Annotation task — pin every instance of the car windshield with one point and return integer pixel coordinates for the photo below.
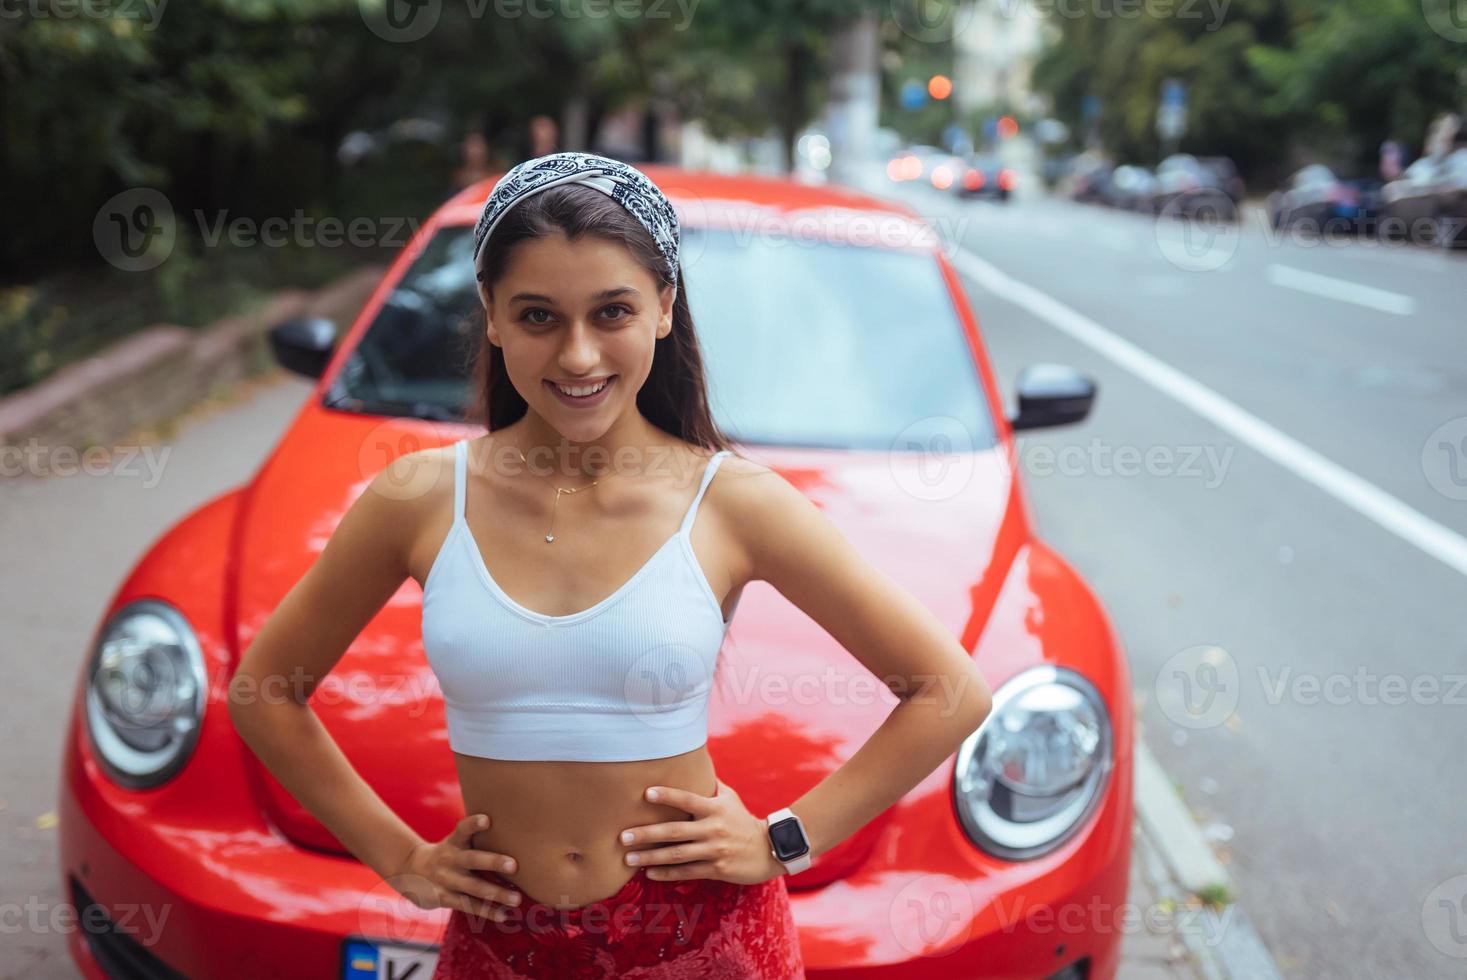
(804, 343)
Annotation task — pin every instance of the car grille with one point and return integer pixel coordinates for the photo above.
(117, 952)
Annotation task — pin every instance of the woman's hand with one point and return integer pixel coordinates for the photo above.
(441, 875)
(724, 841)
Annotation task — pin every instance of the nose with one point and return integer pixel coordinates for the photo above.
(581, 350)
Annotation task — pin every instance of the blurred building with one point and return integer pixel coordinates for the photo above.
(995, 46)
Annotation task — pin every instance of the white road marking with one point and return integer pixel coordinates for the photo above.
(1340, 289)
(1389, 512)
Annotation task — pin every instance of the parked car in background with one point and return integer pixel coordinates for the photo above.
(1225, 174)
(912, 162)
(1317, 197)
(945, 171)
(1054, 169)
(1130, 188)
(984, 175)
(1187, 186)
(1410, 203)
(926, 164)
(1452, 200)
(163, 808)
(1428, 203)
(1089, 174)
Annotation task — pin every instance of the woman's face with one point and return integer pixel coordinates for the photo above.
(577, 313)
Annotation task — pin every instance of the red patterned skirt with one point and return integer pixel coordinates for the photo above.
(697, 929)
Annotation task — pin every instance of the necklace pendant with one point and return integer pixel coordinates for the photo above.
(549, 537)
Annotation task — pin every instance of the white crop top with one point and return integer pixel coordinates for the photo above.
(627, 678)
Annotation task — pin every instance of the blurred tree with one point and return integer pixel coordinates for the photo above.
(1123, 60)
(752, 61)
(1359, 72)
(1270, 82)
(911, 57)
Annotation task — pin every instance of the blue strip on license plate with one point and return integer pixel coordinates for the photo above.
(363, 959)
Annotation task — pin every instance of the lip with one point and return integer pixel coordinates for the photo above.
(589, 402)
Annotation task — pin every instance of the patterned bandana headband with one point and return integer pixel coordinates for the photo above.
(627, 185)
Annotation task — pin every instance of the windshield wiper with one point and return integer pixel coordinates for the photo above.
(378, 406)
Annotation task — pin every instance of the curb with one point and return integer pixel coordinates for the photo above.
(1178, 863)
(1167, 820)
(154, 373)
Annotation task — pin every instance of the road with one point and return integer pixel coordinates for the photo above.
(1283, 550)
(71, 536)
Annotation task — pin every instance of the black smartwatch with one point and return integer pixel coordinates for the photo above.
(788, 841)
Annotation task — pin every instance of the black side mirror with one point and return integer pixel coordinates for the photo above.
(304, 345)
(1052, 394)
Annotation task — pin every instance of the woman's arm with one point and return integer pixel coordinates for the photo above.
(791, 544)
(361, 567)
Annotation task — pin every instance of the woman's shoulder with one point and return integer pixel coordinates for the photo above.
(415, 490)
(418, 480)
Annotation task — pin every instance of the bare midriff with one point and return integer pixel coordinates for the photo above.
(562, 821)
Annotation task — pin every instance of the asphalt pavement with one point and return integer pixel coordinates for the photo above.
(71, 535)
(1270, 497)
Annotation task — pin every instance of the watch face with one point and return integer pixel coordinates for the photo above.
(789, 842)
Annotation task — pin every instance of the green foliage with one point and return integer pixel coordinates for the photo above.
(1369, 71)
(1270, 83)
(235, 109)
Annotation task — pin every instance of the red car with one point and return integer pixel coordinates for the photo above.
(841, 351)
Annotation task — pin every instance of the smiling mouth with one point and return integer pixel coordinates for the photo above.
(581, 392)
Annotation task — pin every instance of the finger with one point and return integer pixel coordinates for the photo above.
(464, 832)
(678, 830)
(473, 906)
(682, 872)
(479, 888)
(677, 854)
(694, 803)
(471, 858)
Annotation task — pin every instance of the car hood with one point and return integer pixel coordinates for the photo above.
(787, 690)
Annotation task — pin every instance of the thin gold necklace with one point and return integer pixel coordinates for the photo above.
(549, 537)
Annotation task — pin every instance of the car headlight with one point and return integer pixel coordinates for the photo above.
(1036, 768)
(145, 693)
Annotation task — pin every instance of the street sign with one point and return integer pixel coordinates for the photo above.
(914, 94)
(1171, 113)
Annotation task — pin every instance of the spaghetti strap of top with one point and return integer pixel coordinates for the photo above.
(459, 478)
(626, 678)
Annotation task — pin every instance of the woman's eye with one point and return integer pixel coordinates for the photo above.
(618, 306)
(528, 316)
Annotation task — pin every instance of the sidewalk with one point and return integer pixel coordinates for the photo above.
(1154, 951)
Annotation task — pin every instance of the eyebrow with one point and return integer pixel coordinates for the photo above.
(604, 294)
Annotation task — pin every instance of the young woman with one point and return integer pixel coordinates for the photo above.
(580, 565)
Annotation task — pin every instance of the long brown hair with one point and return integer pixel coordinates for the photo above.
(675, 395)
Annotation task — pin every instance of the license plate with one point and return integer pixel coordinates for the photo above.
(369, 959)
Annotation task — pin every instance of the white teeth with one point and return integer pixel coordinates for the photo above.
(582, 392)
